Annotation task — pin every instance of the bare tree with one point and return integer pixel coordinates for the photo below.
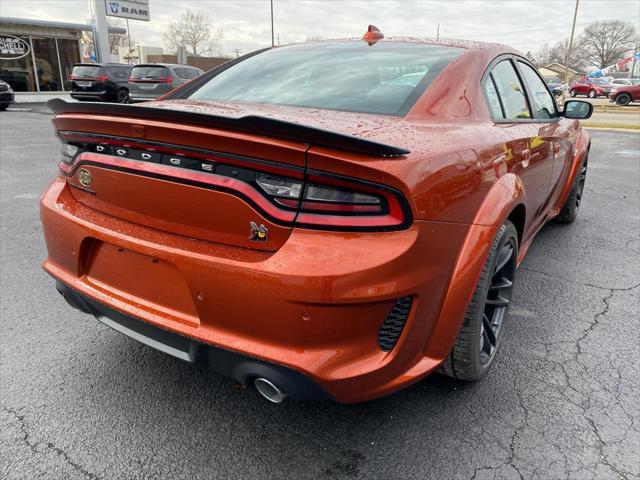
(118, 39)
(607, 41)
(556, 53)
(195, 31)
(115, 39)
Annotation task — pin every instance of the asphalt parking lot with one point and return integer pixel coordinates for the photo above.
(80, 401)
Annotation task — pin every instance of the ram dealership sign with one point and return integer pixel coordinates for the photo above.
(133, 9)
(12, 48)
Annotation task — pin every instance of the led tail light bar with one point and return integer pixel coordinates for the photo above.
(285, 194)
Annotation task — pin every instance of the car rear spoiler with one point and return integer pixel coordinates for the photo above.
(249, 124)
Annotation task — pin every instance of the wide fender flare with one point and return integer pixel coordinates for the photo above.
(580, 153)
(507, 193)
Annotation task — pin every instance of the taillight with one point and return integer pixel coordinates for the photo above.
(347, 205)
(102, 78)
(317, 200)
(168, 79)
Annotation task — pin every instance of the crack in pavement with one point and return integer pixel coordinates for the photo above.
(555, 277)
(34, 446)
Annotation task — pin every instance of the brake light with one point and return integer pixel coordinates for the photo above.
(102, 78)
(348, 204)
(168, 79)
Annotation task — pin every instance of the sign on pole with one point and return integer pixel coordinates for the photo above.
(133, 9)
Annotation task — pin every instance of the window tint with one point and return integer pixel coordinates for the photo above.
(510, 90)
(492, 97)
(543, 103)
(119, 72)
(186, 73)
(149, 72)
(349, 76)
(87, 71)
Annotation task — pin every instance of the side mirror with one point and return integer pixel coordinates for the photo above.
(577, 109)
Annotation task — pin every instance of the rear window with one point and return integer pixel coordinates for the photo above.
(149, 72)
(386, 78)
(186, 73)
(87, 71)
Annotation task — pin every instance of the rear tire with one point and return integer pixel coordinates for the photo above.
(572, 92)
(123, 96)
(592, 94)
(3, 107)
(479, 337)
(623, 99)
(569, 211)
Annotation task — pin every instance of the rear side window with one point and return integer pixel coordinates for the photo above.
(492, 97)
(543, 105)
(186, 73)
(149, 72)
(87, 71)
(385, 78)
(119, 72)
(511, 91)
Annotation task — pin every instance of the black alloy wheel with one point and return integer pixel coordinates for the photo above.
(123, 96)
(481, 331)
(497, 300)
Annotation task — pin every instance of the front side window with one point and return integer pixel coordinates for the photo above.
(543, 105)
(386, 78)
(511, 91)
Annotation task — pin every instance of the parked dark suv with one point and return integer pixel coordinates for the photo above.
(106, 82)
(150, 81)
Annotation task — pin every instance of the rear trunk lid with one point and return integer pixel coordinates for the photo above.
(88, 78)
(150, 80)
(166, 168)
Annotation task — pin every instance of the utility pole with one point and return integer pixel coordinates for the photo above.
(128, 35)
(237, 51)
(438, 33)
(633, 64)
(567, 54)
(100, 30)
(273, 44)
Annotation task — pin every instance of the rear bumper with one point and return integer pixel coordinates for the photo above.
(314, 307)
(136, 97)
(240, 367)
(94, 95)
(6, 97)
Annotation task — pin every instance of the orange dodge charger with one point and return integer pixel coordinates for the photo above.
(335, 219)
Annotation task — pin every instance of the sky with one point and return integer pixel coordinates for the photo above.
(523, 24)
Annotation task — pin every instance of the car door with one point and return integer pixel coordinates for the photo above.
(529, 154)
(554, 132)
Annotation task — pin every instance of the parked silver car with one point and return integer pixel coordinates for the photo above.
(152, 80)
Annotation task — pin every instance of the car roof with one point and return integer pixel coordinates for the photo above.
(102, 65)
(176, 65)
(447, 42)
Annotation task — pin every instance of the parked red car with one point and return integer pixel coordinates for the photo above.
(590, 87)
(308, 220)
(624, 95)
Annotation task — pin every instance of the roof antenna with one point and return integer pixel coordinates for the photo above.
(373, 35)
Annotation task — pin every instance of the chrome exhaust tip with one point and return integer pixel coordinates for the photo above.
(269, 391)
